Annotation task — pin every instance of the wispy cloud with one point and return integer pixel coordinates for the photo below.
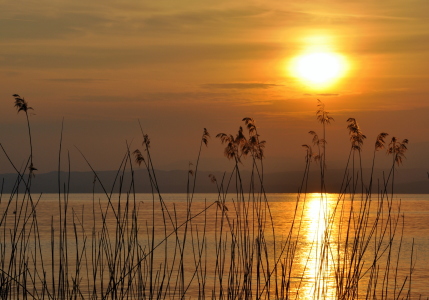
(109, 56)
(33, 26)
(239, 86)
(157, 98)
(359, 16)
(323, 94)
(73, 80)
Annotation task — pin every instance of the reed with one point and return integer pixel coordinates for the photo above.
(229, 248)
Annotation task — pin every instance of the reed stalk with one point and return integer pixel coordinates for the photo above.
(228, 248)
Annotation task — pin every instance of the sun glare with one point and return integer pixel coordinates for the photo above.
(319, 69)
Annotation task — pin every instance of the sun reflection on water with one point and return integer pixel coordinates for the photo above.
(315, 258)
(315, 212)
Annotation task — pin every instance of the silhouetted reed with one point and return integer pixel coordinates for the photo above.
(229, 248)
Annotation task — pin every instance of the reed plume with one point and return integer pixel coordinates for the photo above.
(379, 142)
(205, 137)
(138, 157)
(317, 142)
(325, 119)
(190, 170)
(355, 134)
(231, 149)
(397, 149)
(308, 152)
(212, 178)
(22, 105)
(146, 141)
(323, 115)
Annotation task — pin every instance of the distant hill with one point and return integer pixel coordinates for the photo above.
(406, 181)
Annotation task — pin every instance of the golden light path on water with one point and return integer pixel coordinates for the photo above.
(318, 274)
(347, 250)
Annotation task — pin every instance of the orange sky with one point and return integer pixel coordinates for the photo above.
(180, 66)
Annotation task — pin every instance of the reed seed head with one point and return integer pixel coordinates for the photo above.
(315, 137)
(240, 146)
(190, 171)
(250, 124)
(31, 168)
(21, 104)
(356, 135)
(146, 141)
(212, 178)
(379, 143)
(309, 152)
(231, 149)
(205, 137)
(138, 157)
(322, 115)
(398, 149)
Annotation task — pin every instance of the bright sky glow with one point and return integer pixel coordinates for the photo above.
(319, 69)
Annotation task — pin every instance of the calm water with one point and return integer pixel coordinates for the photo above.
(306, 238)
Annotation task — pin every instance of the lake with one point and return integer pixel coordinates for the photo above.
(284, 246)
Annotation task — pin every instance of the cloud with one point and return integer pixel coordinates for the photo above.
(111, 56)
(35, 26)
(205, 23)
(327, 94)
(323, 95)
(239, 85)
(78, 38)
(391, 44)
(222, 22)
(73, 80)
(157, 98)
(171, 23)
(227, 22)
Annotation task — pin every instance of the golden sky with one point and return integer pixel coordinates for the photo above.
(180, 66)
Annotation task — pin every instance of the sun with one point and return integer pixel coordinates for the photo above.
(319, 69)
